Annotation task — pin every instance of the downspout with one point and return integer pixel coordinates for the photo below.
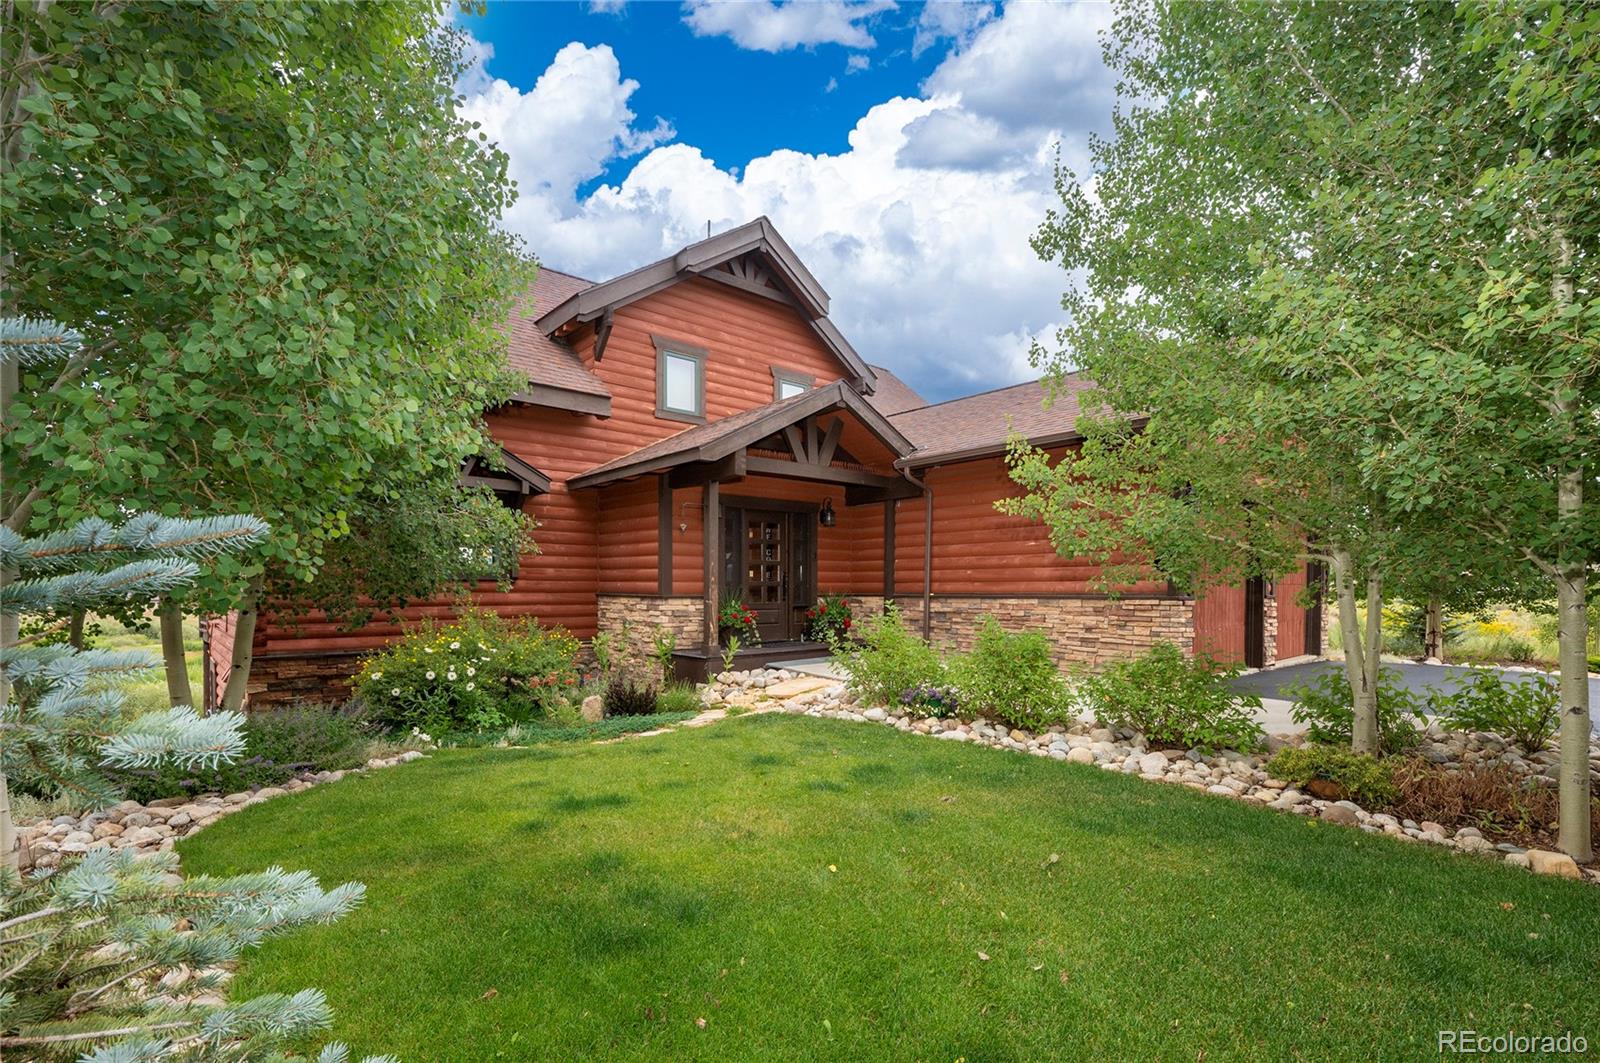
(927, 550)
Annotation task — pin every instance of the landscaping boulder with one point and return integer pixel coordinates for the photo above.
(1545, 862)
(593, 709)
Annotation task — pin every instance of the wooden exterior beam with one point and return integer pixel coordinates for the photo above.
(794, 470)
(712, 539)
(731, 467)
(889, 506)
(830, 442)
(663, 536)
(927, 563)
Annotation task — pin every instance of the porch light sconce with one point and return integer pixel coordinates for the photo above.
(826, 517)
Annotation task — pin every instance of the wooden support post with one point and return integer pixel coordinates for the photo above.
(663, 535)
(889, 506)
(927, 561)
(712, 539)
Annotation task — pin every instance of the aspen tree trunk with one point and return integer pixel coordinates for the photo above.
(1433, 630)
(1361, 649)
(244, 636)
(75, 629)
(173, 656)
(1572, 631)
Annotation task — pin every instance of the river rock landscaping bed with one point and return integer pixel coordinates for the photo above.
(1229, 773)
(157, 826)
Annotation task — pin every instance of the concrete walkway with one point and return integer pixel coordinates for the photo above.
(1270, 684)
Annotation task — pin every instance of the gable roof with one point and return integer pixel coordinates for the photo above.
(894, 395)
(976, 426)
(724, 436)
(702, 258)
(556, 375)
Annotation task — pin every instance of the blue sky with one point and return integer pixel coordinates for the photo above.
(904, 150)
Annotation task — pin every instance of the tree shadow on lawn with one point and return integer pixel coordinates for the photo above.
(570, 804)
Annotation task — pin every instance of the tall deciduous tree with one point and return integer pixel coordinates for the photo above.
(280, 240)
(1378, 225)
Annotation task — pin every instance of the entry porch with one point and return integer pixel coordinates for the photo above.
(770, 508)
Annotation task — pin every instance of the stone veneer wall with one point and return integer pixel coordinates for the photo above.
(276, 682)
(1082, 630)
(1269, 624)
(642, 614)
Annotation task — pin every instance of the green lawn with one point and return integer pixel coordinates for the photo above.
(594, 902)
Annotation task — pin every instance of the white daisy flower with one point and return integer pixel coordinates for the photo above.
(471, 670)
(377, 675)
(427, 649)
(395, 692)
(471, 686)
(455, 645)
(450, 675)
(430, 675)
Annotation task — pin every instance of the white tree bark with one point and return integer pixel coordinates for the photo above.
(244, 636)
(173, 657)
(1572, 632)
(1362, 647)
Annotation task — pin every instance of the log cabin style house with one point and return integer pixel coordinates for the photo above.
(698, 429)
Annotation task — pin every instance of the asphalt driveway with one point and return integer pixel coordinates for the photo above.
(1272, 682)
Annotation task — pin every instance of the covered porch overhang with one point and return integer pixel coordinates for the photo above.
(515, 479)
(828, 436)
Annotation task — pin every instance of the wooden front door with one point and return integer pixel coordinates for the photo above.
(768, 571)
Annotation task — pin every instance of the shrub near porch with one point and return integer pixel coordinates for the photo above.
(476, 673)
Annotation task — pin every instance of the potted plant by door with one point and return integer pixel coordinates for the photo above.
(736, 618)
(829, 619)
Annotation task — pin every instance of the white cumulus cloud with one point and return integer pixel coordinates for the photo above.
(767, 26)
(919, 229)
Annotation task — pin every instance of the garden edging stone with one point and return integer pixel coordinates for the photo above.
(157, 826)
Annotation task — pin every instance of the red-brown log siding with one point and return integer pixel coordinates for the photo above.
(607, 540)
(977, 550)
(1291, 615)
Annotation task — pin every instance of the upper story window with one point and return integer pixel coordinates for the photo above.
(786, 383)
(680, 381)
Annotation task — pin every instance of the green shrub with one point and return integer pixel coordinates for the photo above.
(1011, 677)
(627, 694)
(278, 745)
(475, 673)
(1365, 780)
(1175, 700)
(887, 661)
(1327, 710)
(1526, 710)
(678, 697)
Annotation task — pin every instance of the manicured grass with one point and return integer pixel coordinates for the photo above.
(823, 890)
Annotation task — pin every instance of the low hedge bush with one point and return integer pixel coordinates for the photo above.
(1366, 780)
(1526, 709)
(887, 661)
(1175, 700)
(1327, 709)
(478, 672)
(1011, 677)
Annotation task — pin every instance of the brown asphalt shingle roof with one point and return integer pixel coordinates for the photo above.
(978, 424)
(548, 361)
(891, 395)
